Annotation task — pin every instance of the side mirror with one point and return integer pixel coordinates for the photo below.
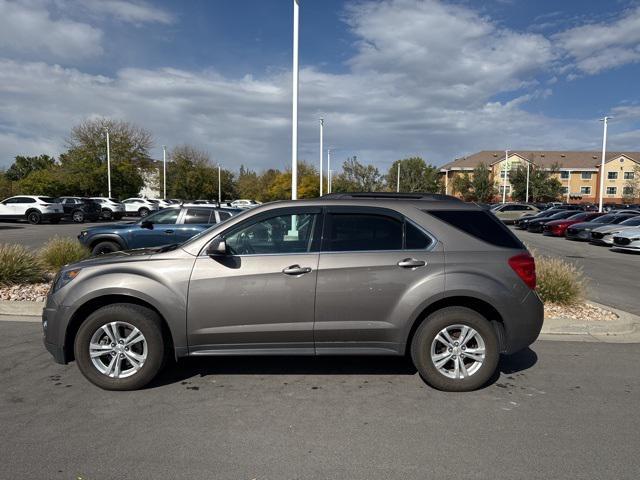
(146, 224)
(217, 247)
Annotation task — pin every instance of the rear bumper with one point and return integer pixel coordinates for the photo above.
(522, 327)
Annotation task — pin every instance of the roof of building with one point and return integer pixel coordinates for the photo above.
(542, 158)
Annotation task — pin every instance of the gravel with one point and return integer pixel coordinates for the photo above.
(35, 292)
(582, 312)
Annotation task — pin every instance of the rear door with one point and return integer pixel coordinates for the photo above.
(375, 269)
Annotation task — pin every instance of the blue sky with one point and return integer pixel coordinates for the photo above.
(392, 78)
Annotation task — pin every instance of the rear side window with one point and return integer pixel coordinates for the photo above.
(199, 215)
(414, 238)
(479, 224)
(360, 232)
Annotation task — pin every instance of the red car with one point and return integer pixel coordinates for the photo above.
(557, 228)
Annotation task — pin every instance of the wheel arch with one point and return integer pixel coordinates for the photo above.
(107, 238)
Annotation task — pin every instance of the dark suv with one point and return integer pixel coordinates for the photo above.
(431, 277)
(81, 209)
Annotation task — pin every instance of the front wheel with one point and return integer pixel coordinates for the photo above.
(34, 218)
(78, 216)
(143, 212)
(107, 214)
(105, 247)
(455, 349)
(120, 347)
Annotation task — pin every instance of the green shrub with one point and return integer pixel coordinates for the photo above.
(59, 251)
(559, 281)
(19, 265)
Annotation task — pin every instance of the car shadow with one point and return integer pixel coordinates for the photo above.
(330, 365)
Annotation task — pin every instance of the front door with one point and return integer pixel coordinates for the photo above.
(375, 268)
(259, 298)
(159, 229)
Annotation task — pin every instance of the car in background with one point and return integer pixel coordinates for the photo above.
(139, 207)
(604, 235)
(162, 203)
(523, 223)
(510, 212)
(557, 228)
(169, 225)
(201, 202)
(627, 240)
(32, 208)
(81, 209)
(243, 203)
(537, 226)
(112, 209)
(582, 231)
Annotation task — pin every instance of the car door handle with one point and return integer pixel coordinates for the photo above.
(411, 263)
(296, 270)
(168, 231)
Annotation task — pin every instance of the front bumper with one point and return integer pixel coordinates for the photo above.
(54, 325)
(582, 235)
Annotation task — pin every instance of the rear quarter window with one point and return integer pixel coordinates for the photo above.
(479, 224)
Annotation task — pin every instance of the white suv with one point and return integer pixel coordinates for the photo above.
(139, 206)
(112, 209)
(242, 203)
(32, 208)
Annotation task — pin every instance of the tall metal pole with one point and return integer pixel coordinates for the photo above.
(568, 186)
(329, 170)
(164, 171)
(527, 194)
(504, 184)
(321, 151)
(604, 152)
(294, 110)
(219, 186)
(446, 182)
(398, 185)
(108, 164)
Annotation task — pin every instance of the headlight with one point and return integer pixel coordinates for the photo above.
(84, 233)
(63, 278)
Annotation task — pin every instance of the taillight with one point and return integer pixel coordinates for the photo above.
(525, 266)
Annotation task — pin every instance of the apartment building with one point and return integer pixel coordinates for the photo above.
(578, 172)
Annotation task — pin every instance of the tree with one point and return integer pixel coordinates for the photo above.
(357, 177)
(248, 184)
(415, 176)
(543, 185)
(49, 182)
(631, 189)
(23, 166)
(461, 184)
(482, 184)
(6, 186)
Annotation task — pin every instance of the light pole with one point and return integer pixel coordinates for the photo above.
(446, 182)
(219, 187)
(164, 171)
(568, 185)
(604, 151)
(294, 109)
(398, 185)
(321, 151)
(527, 194)
(504, 183)
(108, 164)
(328, 170)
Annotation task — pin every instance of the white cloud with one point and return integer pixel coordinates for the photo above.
(600, 46)
(26, 28)
(127, 11)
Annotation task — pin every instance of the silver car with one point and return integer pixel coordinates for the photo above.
(430, 277)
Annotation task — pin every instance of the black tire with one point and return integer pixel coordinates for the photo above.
(143, 212)
(107, 246)
(145, 320)
(107, 214)
(34, 217)
(431, 327)
(77, 216)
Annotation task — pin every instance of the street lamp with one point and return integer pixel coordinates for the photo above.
(294, 108)
(527, 194)
(108, 163)
(219, 187)
(328, 170)
(446, 182)
(568, 185)
(398, 185)
(504, 183)
(321, 151)
(604, 151)
(164, 171)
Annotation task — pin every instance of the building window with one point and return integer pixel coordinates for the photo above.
(565, 190)
(612, 175)
(629, 175)
(585, 190)
(612, 190)
(502, 189)
(564, 175)
(586, 175)
(627, 191)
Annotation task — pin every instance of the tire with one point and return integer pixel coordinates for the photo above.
(424, 343)
(107, 214)
(117, 216)
(107, 246)
(148, 352)
(34, 217)
(143, 212)
(78, 216)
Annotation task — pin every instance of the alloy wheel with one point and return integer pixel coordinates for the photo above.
(118, 349)
(458, 351)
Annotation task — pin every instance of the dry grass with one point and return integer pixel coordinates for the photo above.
(19, 265)
(60, 251)
(559, 281)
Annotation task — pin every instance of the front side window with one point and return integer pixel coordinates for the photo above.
(361, 232)
(275, 235)
(164, 217)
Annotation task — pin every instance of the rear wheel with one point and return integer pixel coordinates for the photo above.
(120, 347)
(34, 217)
(455, 349)
(107, 214)
(105, 247)
(78, 216)
(143, 212)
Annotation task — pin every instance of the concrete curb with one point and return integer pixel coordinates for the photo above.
(21, 308)
(626, 323)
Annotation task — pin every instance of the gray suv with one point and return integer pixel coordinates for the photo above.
(427, 276)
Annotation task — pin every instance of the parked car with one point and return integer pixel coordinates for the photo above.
(170, 225)
(604, 235)
(627, 240)
(557, 228)
(523, 223)
(582, 231)
(510, 212)
(243, 203)
(32, 208)
(162, 203)
(112, 209)
(537, 226)
(140, 207)
(429, 276)
(81, 209)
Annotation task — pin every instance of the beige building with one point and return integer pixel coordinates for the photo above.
(578, 172)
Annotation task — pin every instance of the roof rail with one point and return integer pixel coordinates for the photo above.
(438, 197)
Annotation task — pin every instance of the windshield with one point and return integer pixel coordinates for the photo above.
(632, 222)
(577, 216)
(605, 219)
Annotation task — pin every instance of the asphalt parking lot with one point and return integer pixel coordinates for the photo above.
(613, 277)
(557, 410)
